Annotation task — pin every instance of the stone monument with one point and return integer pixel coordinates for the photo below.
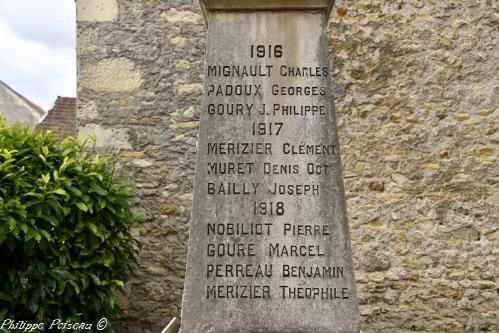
(269, 247)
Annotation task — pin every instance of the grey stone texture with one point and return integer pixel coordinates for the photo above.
(147, 108)
(224, 291)
(416, 94)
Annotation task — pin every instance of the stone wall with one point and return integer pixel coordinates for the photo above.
(416, 94)
(418, 127)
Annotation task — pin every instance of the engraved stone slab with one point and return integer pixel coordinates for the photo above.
(269, 247)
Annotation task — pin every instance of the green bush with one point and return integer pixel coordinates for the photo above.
(65, 230)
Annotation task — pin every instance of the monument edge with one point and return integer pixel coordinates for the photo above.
(261, 5)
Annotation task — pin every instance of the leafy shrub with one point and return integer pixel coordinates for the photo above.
(65, 230)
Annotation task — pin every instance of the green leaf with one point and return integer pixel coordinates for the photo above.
(60, 191)
(67, 162)
(102, 203)
(4, 232)
(60, 274)
(46, 178)
(118, 283)
(112, 301)
(97, 189)
(3, 315)
(5, 297)
(61, 288)
(41, 267)
(85, 282)
(33, 302)
(75, 286)
(95, 174)
(45, 234)
(33, 194)
(95, 279)
(23, 227)
(67, 151)
(81, 206)
(93, 228)
(75, 191)
(13, 228)
(40, 314)
(50, 218)
(62, 259)
(107, 259)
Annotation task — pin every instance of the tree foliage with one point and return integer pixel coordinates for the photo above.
(65, 229)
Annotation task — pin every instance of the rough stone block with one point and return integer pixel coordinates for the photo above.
(111, 75)
(96, 10)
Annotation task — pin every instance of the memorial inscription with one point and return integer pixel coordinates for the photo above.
(269, 247)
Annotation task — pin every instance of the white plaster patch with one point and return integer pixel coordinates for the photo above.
(116, 138)
(178, 41)
(88, 111)
(186, 197)
(189, 112)
(96, 10)
(189, 89)
(182, 16)
(142, 162)
(493, 199)
(87, 42)
(181, 64)
(111, 75)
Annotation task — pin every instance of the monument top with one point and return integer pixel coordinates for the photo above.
(243, 5)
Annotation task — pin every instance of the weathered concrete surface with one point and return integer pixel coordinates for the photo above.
(221, 301)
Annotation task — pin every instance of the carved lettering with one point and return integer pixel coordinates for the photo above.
(231, 250)
(237, 291)
(230, 168)
(239, 148)
(294, 189)
(324, 272)
(306, 229)
(238, 271)
(239, 229)
(278, 250)
(240, 71)
(234, 90)
(232, 188)
(331, 294)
